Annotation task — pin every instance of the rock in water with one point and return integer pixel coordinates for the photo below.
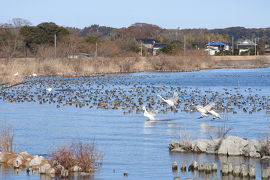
(252, 171)
(193, 166)
(174, 166)
(236, 170)
(243, 170)
(232, 145)
(265, 172)
(224, 168)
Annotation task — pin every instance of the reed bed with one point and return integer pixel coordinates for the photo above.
(26, 67)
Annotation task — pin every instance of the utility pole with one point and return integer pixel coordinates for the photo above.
(232, 46)
(54, 45)
(96, 52)
(255, 52)
(178, 33)
(184, 45)
(141, 49)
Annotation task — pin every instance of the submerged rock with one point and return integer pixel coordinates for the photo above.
(230, 167)
(265, 172)
(214, 167)
(252, 171)
(224, 168)
(243, 170)
(236, 170)
(174, 166)
(194, 166)
(183, 167)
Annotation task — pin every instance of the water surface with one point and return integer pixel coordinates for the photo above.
(129, 142)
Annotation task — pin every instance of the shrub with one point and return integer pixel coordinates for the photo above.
(78, 154)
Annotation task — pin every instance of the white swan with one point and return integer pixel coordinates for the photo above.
(207, 110)
(214, 113)
(49, 89)
(149, 115)
(201, 110)
(172, 101)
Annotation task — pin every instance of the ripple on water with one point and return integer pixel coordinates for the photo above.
(131, 144)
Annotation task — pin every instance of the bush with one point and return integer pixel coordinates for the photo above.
(77, 154)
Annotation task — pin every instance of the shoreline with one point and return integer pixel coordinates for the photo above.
(25, 67)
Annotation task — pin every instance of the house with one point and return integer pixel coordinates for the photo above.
(244, 46)
(217, 46)
(212, 50)
(148, 43)
(158, 46)
(267, 49)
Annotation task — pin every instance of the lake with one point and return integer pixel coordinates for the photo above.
(107, 110)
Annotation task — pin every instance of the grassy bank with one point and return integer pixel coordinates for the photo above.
(25, 67)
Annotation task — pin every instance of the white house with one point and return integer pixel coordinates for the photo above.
(216, 46)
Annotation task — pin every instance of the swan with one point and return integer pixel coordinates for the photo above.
(214, 113)
(49, 89)
(201, 110)
(207, 110)
(172, 101)
(149, 115)
(34, 75)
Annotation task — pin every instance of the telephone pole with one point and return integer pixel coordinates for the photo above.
(255, 52)
(184, 45)
(54, 45)
(96, 52)
(141, 49)
(232, 46)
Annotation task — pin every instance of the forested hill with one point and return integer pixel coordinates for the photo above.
(241, 32)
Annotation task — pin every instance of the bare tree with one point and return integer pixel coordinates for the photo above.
(10, 36)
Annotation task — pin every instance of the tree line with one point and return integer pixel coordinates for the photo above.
(19, 38)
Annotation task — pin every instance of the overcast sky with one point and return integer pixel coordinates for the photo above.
(122, 13)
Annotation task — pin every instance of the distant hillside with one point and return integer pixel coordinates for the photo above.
(145, 31)
(241, 32)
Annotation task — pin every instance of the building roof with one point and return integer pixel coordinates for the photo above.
(245, 42)
(146, 41)
(217, 43)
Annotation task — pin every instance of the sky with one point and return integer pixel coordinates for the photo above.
(170, 14)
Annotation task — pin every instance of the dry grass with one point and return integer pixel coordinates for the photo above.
(6, 138)
(185, 139)
(77, 154)
(193, 60)
(87, 67)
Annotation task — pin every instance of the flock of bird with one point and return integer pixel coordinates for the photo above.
(135, 95)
